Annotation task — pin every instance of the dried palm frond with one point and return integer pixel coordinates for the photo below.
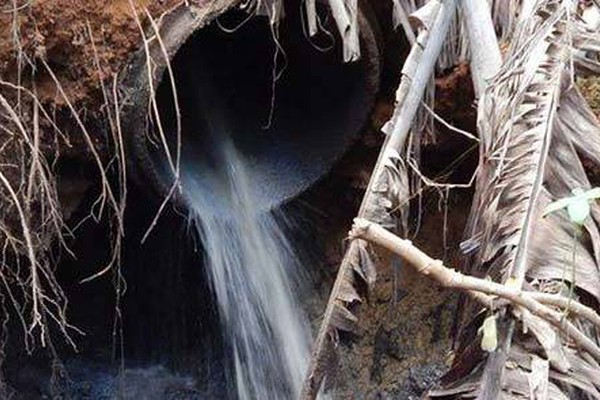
(344, 13)
(386, 194)
(516, 129)
(504, 15)
(455, 49)
(412, 16)
(533, 127)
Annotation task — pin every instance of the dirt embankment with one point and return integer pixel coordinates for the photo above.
(54, 55)
(590, 87)
(63, 46)
(81, 41)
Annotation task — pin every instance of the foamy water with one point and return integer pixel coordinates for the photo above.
(251, 264)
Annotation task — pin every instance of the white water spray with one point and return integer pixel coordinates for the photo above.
(252, 265)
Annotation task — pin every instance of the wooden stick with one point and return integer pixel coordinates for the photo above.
(569, 306)
(450, 278)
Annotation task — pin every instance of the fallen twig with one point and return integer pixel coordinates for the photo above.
(450, 278)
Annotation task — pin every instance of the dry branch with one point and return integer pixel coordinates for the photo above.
(450, 278)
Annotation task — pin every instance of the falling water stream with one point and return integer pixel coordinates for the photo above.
(255, 277)
(252, 268)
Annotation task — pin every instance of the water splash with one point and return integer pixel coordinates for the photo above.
(252, 268)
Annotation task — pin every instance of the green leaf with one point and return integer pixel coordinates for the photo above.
(578, 206)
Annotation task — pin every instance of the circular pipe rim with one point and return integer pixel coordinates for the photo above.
(176, 27)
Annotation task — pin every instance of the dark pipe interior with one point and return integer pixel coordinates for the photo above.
(169, 319)
(225, 84)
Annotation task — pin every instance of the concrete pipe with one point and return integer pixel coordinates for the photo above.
(291, 131)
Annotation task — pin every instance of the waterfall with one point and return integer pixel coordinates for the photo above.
(253, 271)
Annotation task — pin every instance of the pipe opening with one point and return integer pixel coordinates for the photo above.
(224, 82)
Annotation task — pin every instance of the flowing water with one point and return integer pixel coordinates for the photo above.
(253, 271)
